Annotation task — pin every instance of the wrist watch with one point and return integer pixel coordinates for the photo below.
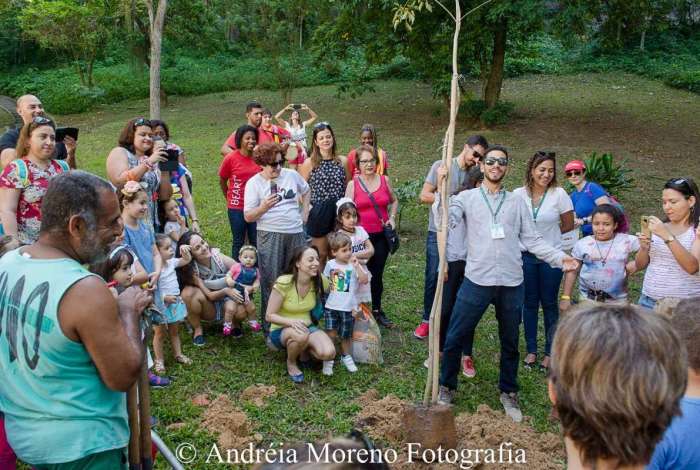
(670, 239)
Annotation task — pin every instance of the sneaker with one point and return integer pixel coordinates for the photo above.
(348, 363)
(255, 326)
(199, 340)
(422, 330)
(328, 368)
(445, 395)
(426, 363)
(468, 367)
(228, 329)
(511, 406)
(382, 319)
(157, 381)
(237, 333)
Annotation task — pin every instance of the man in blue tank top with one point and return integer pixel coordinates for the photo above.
(68, 349)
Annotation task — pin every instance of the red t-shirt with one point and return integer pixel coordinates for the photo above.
(381, 167)
(275, 134)
(237, 169)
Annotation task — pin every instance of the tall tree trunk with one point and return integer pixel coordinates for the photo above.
(157, 20)
(641, 41)
(492, 91)
(90, 66)
(301, 29)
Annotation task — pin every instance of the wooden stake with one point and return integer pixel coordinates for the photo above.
(132, 407)
(145, 408)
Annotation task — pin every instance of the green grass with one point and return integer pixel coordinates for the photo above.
(651, 126)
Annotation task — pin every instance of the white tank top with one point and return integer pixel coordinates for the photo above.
(298, 135)
(664, 276)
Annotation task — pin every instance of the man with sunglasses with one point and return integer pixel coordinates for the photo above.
(498, 222)
(471, 153)
(30, 107)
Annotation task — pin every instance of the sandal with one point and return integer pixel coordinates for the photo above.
(159, 366)
(182, 359)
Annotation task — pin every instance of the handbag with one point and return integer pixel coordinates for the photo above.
(392, 237)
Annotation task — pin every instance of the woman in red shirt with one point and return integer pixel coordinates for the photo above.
(235, 171)
(369, 182)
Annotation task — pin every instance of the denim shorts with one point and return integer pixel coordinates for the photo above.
(275, 336)
(342, 322)
(646, 301)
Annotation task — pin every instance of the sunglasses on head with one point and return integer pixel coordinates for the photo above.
(322, 125)
(490, 161)
(574, 173)
(41, 120)
(142, 122)
(543, 153)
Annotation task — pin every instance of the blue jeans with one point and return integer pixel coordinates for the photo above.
(472, 302)
(239, 229)
(541, 288)
(646, 301)
(432, 262)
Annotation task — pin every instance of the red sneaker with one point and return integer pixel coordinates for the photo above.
(468, 367)
(422, 330)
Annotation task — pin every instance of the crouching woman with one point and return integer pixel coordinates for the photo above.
(293, 297)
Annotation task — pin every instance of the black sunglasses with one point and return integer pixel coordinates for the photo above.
(142, 122)
(573, 173)
(276, 164)
(490, 161)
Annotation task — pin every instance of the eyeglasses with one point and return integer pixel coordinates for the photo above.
(322, 125)
(490, 161)
(41, 120)
(367, 162)
(142, 122)
(571, 173)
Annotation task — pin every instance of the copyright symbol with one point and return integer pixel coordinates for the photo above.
(186, 452)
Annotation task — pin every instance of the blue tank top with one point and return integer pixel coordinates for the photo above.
(57, 409)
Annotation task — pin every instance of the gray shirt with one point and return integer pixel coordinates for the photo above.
(457, 177)
(498, 262)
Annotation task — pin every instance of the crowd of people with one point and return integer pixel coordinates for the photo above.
(312, 230)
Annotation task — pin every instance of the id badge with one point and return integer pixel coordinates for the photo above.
(497, 231)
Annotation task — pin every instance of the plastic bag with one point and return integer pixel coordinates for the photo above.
(366, 339)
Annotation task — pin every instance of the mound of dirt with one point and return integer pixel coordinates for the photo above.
(486, 429)
(381, 419)
(258, 393)
(229, 423)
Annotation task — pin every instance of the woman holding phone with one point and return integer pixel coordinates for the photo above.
(134, 160)
(670, 255)
(271, 201)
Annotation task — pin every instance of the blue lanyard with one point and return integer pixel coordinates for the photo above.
(536, 211)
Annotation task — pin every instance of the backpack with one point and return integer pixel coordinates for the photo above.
(23, 170)
(625, 224)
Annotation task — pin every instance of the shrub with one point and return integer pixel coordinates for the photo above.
(476, 110)
(601, 169)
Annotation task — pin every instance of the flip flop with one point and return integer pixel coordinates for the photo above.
(297, 379)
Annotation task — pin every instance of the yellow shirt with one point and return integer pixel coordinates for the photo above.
(293, 307)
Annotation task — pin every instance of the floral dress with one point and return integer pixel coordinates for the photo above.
(151, 184)
(33, 182)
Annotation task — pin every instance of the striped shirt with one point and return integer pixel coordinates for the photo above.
(664, 276)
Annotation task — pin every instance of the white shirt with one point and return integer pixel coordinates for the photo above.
(556, 202)
(285, 216)
(664, 277)
(167, 282)
(343, 286)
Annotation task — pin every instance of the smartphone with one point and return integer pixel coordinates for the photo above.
(296, 106)
(62, 132)
(645, 225)
(172, 163)
(274, 189)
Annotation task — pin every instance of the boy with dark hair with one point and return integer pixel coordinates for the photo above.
(679, 449)
(617, 376)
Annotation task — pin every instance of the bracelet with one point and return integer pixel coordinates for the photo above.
(149, 165)
(565, 297)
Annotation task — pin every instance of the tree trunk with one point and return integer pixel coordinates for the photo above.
(81, 74)
(492, 91)
(641, 41)
(157, 21)
(301, 29)
(90, 66)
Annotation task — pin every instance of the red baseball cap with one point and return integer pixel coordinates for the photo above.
(575, 165)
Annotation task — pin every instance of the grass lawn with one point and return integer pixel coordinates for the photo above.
(653, 127)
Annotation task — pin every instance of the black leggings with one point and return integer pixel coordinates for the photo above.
(455, 276)
(376, 266)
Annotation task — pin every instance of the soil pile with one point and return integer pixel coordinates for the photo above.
(229, 423)
(258, 393)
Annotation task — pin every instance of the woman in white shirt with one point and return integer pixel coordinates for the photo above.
(671, 254)
(272, 200)
(295, 126)
(553, 213)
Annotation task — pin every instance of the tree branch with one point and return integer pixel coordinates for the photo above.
(474, 9)
(448, 11)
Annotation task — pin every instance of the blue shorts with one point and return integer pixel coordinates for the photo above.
(275, 336)
(342, 322)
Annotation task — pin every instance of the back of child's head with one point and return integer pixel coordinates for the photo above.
(610, 210)
(617, 376)
(338, 240)
(8, 243)
(117, 257)
(130, 192)
(686, 321)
